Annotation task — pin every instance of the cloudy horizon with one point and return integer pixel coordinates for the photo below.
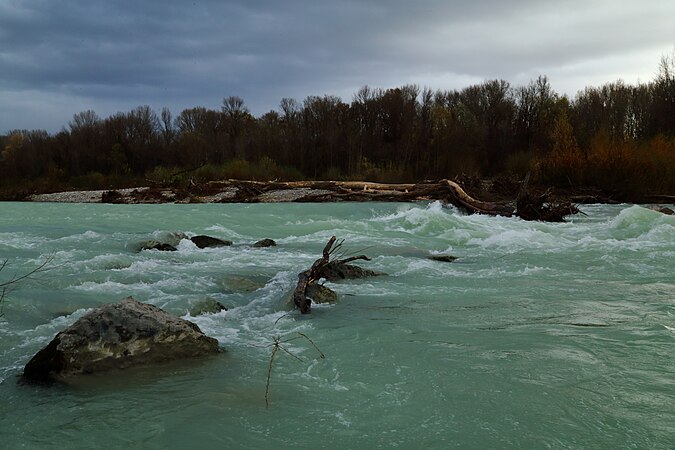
(60, 58)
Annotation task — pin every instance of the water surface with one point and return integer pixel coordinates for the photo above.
(539, 335)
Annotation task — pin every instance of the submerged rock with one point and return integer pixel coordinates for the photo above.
(265, 243)
(320, 293)
(167, 242)
(117, 336)
(442, 258)
(156, 245)
(238, 284)
(202, 241)
(206, 306)
(334, 271)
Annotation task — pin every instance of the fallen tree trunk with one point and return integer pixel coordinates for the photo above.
(467, 203)
(444, 190)
(316, 272)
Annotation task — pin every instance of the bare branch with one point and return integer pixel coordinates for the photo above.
(290, 354)
(269, 375)
(38, 269)
(8, 286)
(313, 345)
(277, 346)
(352, 258)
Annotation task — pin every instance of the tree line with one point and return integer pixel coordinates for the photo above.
(402, 134)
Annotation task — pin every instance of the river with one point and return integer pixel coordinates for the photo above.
(539, 335)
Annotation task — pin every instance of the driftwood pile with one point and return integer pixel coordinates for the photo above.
(528, 206)
(542, 207)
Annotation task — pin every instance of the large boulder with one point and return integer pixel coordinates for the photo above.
(117, 336)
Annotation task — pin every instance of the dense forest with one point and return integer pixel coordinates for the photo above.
(618, 137)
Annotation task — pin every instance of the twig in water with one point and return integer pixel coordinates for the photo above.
(276, 346)
(9, 285)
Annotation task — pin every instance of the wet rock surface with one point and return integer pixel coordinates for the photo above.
(117, 336)
(203, 241)
(265, 243)
(334, 271)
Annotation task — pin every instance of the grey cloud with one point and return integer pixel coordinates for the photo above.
(116, 55)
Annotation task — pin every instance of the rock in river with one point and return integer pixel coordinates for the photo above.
(321, 294)
(265, 243)
(117, 336)
(334, 271)
(156, 245)
(202, 241)
(442, 258)
(206, 306)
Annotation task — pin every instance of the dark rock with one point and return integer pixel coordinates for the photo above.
(202, 241)
(663, 209)
(265, 243)
(334, 272)
(156, 245)
(320, 293)
(117, 336)
(442, 258)
(206, 306)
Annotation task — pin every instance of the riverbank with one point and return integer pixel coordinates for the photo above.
(240, 191)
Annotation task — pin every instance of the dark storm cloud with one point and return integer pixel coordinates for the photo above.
(57, 58)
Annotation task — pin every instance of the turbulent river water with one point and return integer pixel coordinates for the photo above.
(538, 336)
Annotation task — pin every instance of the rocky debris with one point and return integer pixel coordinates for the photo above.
(290, 195)
(319, 293)
(442, 258)
(202, 241)
(206, 306)
(85, 196)
(219, 197)
(265, 243)
(117, 336)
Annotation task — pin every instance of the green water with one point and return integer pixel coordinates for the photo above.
(538, 336)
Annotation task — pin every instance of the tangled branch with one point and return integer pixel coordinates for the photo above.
(8, 286)
(331, 252)
(276, 346)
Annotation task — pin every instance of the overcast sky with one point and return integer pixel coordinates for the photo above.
(58, 58)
